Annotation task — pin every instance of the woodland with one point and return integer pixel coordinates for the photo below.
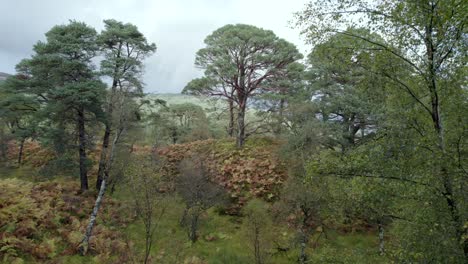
(356, 152)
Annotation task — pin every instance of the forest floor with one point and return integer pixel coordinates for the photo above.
(221, 239)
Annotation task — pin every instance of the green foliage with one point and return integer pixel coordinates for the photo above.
(145, 182)
(278, 95)
(256, 228)
(238, 60)
(200, 86)
(60, 91)
(180, 123)
(198, 192)
(124, 48)
(236, 37)
(409, 172)
(346, 89)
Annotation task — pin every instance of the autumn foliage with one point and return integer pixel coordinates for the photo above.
(33, 153)
(45, 222)
(253, 171)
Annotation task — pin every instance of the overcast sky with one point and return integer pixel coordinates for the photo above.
(178, 27)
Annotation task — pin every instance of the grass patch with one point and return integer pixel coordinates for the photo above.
(222, 241)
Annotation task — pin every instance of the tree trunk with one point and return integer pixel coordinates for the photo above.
(20, 153)
(349, 132)
(381, 239)
(105, 140)
(148, 242)
(241, 126)
(257, 251)
(148, 220)
(242, 96)
(113, 181)
(3, 144)
(303, 256)
(85, 242)
(103, 158)
(280, 116)
(183, 219)
(108, 166)
(304, 233)
(231, 118)
(82, 150)
(174, 135)
(193, 227)
(304, 241)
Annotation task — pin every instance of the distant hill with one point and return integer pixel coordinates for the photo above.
(173, 98)
(211, 105)
(3, 76)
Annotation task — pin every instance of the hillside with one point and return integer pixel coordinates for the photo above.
(177, 98)
(58, 226)
(203, 101)
(3, 76)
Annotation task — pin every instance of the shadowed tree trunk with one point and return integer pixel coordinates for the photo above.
(303, 243)
(278, 129)
(3, 144)
(193, 227)
(20, 153)
(82, 150)
(183, 219)
(241, 117)
(257, 252)
(381, 239)
(304, 232)
(241, 127)
(103, 158)
(231, 118)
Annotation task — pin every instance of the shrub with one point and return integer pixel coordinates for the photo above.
(252, 172)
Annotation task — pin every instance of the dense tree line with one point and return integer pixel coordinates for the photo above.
(406, 132)
(59, 95)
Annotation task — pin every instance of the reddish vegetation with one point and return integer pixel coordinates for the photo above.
(254, 171)
(37, 156)
(33, 153)
(46, 221)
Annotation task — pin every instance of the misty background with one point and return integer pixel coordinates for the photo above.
(178, 28)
